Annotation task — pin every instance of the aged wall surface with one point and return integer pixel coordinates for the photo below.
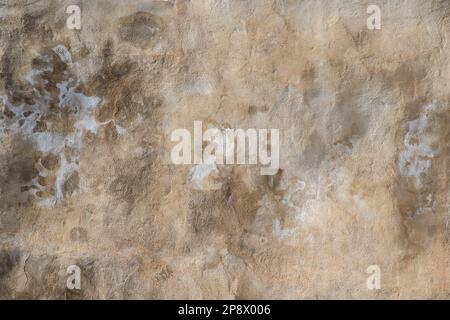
(86, 176)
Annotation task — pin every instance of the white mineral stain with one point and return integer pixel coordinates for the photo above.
(34, 76)
(63, 54)
(417, 157)
(198, 177)
(26, 117)
(300, 211)
(48, 142)
(120, 130)
(281, 232)
(201, 86)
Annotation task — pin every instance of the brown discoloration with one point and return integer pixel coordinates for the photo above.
(141, 29)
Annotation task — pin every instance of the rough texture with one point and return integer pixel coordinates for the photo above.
(85, 171)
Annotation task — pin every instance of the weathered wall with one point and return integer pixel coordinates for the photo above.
(85, 172)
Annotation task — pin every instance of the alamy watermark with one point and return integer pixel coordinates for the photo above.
(374, 280)
(74, 278)
(250, 146)
(374, 20)
(73, 22)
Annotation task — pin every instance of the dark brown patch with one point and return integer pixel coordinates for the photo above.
(8, 260)
(78, 234)
(141, 29)
(229, 209)
(50, 162)
(71, 184)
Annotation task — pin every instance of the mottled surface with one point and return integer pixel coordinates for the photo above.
(85, 171)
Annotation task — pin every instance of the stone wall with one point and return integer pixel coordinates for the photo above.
(87, 179)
